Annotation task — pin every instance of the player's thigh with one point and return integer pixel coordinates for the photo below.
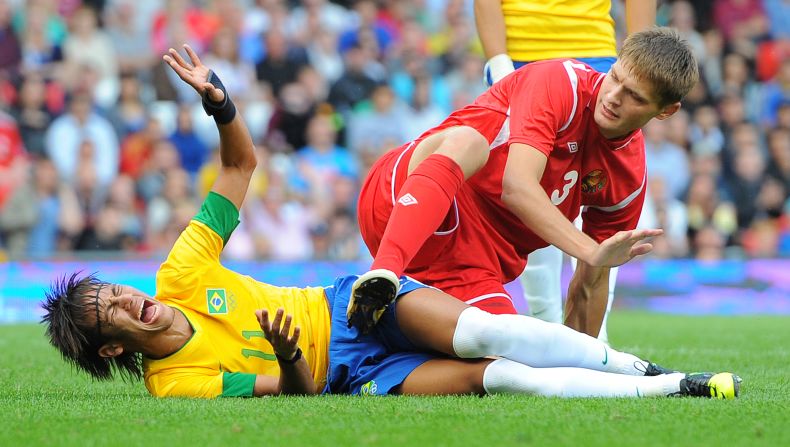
(465, 145)
(447, 376)
(428, 318)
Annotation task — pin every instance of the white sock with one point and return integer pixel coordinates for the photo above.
(541, 283)
(506, 376)
(603, 335)
(536, 343)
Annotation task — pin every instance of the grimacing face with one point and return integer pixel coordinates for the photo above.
(626, 103)
(129, 317)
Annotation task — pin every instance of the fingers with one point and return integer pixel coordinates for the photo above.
(295, 337)
(180, 60)
(646, 233)
(192, 55)
(278, 318)
(263, 320)
(641, 249)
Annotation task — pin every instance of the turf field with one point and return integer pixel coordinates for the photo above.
(43, 402)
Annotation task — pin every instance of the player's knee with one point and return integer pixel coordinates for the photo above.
(475, 334)
(473, 379)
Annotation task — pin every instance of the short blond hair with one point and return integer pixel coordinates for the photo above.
(663, 58)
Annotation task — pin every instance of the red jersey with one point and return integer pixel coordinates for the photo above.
(11, 149)
(548, 105)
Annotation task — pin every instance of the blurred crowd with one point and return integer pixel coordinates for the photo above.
(103, 148)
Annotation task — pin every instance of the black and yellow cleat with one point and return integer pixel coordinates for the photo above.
(370, 296)
(654, 369)
(717, 386)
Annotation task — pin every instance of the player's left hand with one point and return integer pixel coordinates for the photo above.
(277, 332)
(194, 73)
(622, 247)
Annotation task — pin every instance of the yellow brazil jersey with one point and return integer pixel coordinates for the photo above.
(227, 348)
(548, 29)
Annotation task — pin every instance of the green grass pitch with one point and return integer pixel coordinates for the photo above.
(43, 402)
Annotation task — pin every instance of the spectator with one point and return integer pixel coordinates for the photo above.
(68, 133)
(51, 209)
(321, 161)
(385, 125)
(10, 50)
(87, 45)
(237, 75)
(281, 63)
(129, 113)
(665, 160)
(775, 94)
(191, 150)
(128, 32)
(33, 115)
(705, 135)
(355, 85)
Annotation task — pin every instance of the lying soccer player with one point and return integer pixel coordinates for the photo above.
(209, 333)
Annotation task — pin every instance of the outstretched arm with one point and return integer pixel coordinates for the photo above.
(490, 22)
(525, 197)
(639, 15)
(237, 152)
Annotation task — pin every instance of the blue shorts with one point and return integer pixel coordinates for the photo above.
(374, 363)
(599, 64)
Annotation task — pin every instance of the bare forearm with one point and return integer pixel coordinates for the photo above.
(491, 27)
(295, 378)
(639, 15)
(588, 295)
(533, 207)
(235, 144)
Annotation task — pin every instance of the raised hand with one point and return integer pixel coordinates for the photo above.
(195, 73)
(284, 346)
(622, 247)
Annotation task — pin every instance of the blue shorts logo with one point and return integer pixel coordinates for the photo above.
(369, 389)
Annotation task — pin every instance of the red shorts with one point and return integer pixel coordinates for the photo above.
(462, 258)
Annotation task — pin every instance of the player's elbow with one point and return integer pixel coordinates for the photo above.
(245, 164)
(513, 193)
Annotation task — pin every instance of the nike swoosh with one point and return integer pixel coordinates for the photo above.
(606, 356)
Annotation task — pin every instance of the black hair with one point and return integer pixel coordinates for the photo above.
(71, 306)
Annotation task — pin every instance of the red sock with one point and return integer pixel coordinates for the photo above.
(422, 205)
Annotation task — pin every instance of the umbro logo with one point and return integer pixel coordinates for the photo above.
(573, 146)
(407, 199)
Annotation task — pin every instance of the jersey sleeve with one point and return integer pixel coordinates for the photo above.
(219, 214)
(601, 223)
(543, 101)
(199, 246)
(178, 382)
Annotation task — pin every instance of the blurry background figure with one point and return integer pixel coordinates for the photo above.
(325, 88)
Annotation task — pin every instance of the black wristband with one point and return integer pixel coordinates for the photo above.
(224, 111)
(293, 360)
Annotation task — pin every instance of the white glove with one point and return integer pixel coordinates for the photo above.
(497, 68)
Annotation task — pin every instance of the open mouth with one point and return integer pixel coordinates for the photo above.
(147, 311)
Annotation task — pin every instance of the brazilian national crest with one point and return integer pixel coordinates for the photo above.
(216, 301)
(593, 182)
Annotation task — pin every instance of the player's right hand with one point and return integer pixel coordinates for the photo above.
(277, 335)
(194, 73)
(497, 68)
(622, 247)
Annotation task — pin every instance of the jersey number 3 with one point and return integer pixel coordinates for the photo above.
(571, 177)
